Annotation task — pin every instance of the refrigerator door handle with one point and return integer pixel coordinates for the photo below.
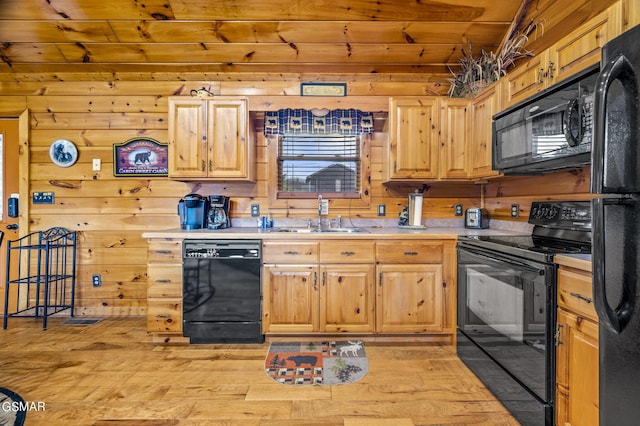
(617, 69)
(618, 318)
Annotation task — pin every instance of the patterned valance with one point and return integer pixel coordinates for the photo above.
(298, 121)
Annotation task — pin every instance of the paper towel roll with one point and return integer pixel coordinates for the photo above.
(416, 220)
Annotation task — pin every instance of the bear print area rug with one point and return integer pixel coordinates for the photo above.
(316, 363)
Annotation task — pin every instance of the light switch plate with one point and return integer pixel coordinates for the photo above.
(43, 197)
(382, 210)
(97, 164)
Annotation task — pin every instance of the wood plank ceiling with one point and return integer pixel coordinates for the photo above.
(389, 38)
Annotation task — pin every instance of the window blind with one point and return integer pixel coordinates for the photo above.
(319, 163)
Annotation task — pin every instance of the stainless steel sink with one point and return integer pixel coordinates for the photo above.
(320, 230)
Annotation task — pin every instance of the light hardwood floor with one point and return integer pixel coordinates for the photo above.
(111, 373)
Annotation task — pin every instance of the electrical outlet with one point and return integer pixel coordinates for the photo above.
(255, 210)
(382, 210)
(97, 280)
(97, 164)
(324, 207)
(457, 210)
(515, 210)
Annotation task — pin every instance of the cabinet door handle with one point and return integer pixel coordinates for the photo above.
(210, 165)
(315, 281)
(556, 336)
(540, 74)
(581, 297)
(550, 70)
(291, 252)
(202, 166)
(324, 278)
(410, 253)
(380, 279)
(348, 253)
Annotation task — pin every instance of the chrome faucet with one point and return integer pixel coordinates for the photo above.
(319, 210)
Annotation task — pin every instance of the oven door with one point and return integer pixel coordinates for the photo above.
(506, 306)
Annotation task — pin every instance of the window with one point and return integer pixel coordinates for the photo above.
(312, 164)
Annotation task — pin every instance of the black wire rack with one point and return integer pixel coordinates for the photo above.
(41, 275)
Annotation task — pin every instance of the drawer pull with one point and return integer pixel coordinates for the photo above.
(348, 253)
(162, 316)
(579, 296)
(163, 281)
(163, 251)
(291, 252)
(410, 253)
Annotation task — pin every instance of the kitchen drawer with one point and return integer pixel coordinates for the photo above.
(164, 281)
(164, 315)
(347, 251)
(165, 251)
(409, 252)
(289, 252)
(575, 292)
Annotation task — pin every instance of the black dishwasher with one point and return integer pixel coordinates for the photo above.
(221, 291)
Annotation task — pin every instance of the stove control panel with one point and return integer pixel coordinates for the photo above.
(561, 214)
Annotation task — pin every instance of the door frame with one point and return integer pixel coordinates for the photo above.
(23, 172)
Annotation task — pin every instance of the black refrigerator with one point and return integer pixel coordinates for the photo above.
(615, 177)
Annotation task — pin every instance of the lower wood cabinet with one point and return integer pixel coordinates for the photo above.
(577, 391)
(409, 299)
(328, 286)
(290, 298)
(411, 286)
(362, 287)
(334, 297)
(164, 287)
(347, 298)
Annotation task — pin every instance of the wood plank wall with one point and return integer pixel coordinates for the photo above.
(111, 212)
(99, 109)
(500, 193)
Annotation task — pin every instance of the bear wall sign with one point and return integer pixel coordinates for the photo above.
(141, 157)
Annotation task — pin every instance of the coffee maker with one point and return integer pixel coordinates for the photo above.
(193, 209)
(218, 214)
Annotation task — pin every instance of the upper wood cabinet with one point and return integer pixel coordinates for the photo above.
(566, 57)
(454, 138)
(412, 146)
(428, 139)
(483, 107)
(631, 14)
(525, 81)
(582, 47)
(210, 139)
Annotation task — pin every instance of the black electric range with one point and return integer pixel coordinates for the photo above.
(506, 312)
(559, 228)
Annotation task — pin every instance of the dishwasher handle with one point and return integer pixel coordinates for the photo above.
(214, 249)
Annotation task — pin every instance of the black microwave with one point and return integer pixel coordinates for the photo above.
(550, 131)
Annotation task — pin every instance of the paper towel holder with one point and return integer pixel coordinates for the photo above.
(415, 208)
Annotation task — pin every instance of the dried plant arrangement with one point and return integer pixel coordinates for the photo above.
(475, 73)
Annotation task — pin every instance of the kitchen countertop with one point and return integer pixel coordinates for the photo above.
(578, 261)
(430, 233)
